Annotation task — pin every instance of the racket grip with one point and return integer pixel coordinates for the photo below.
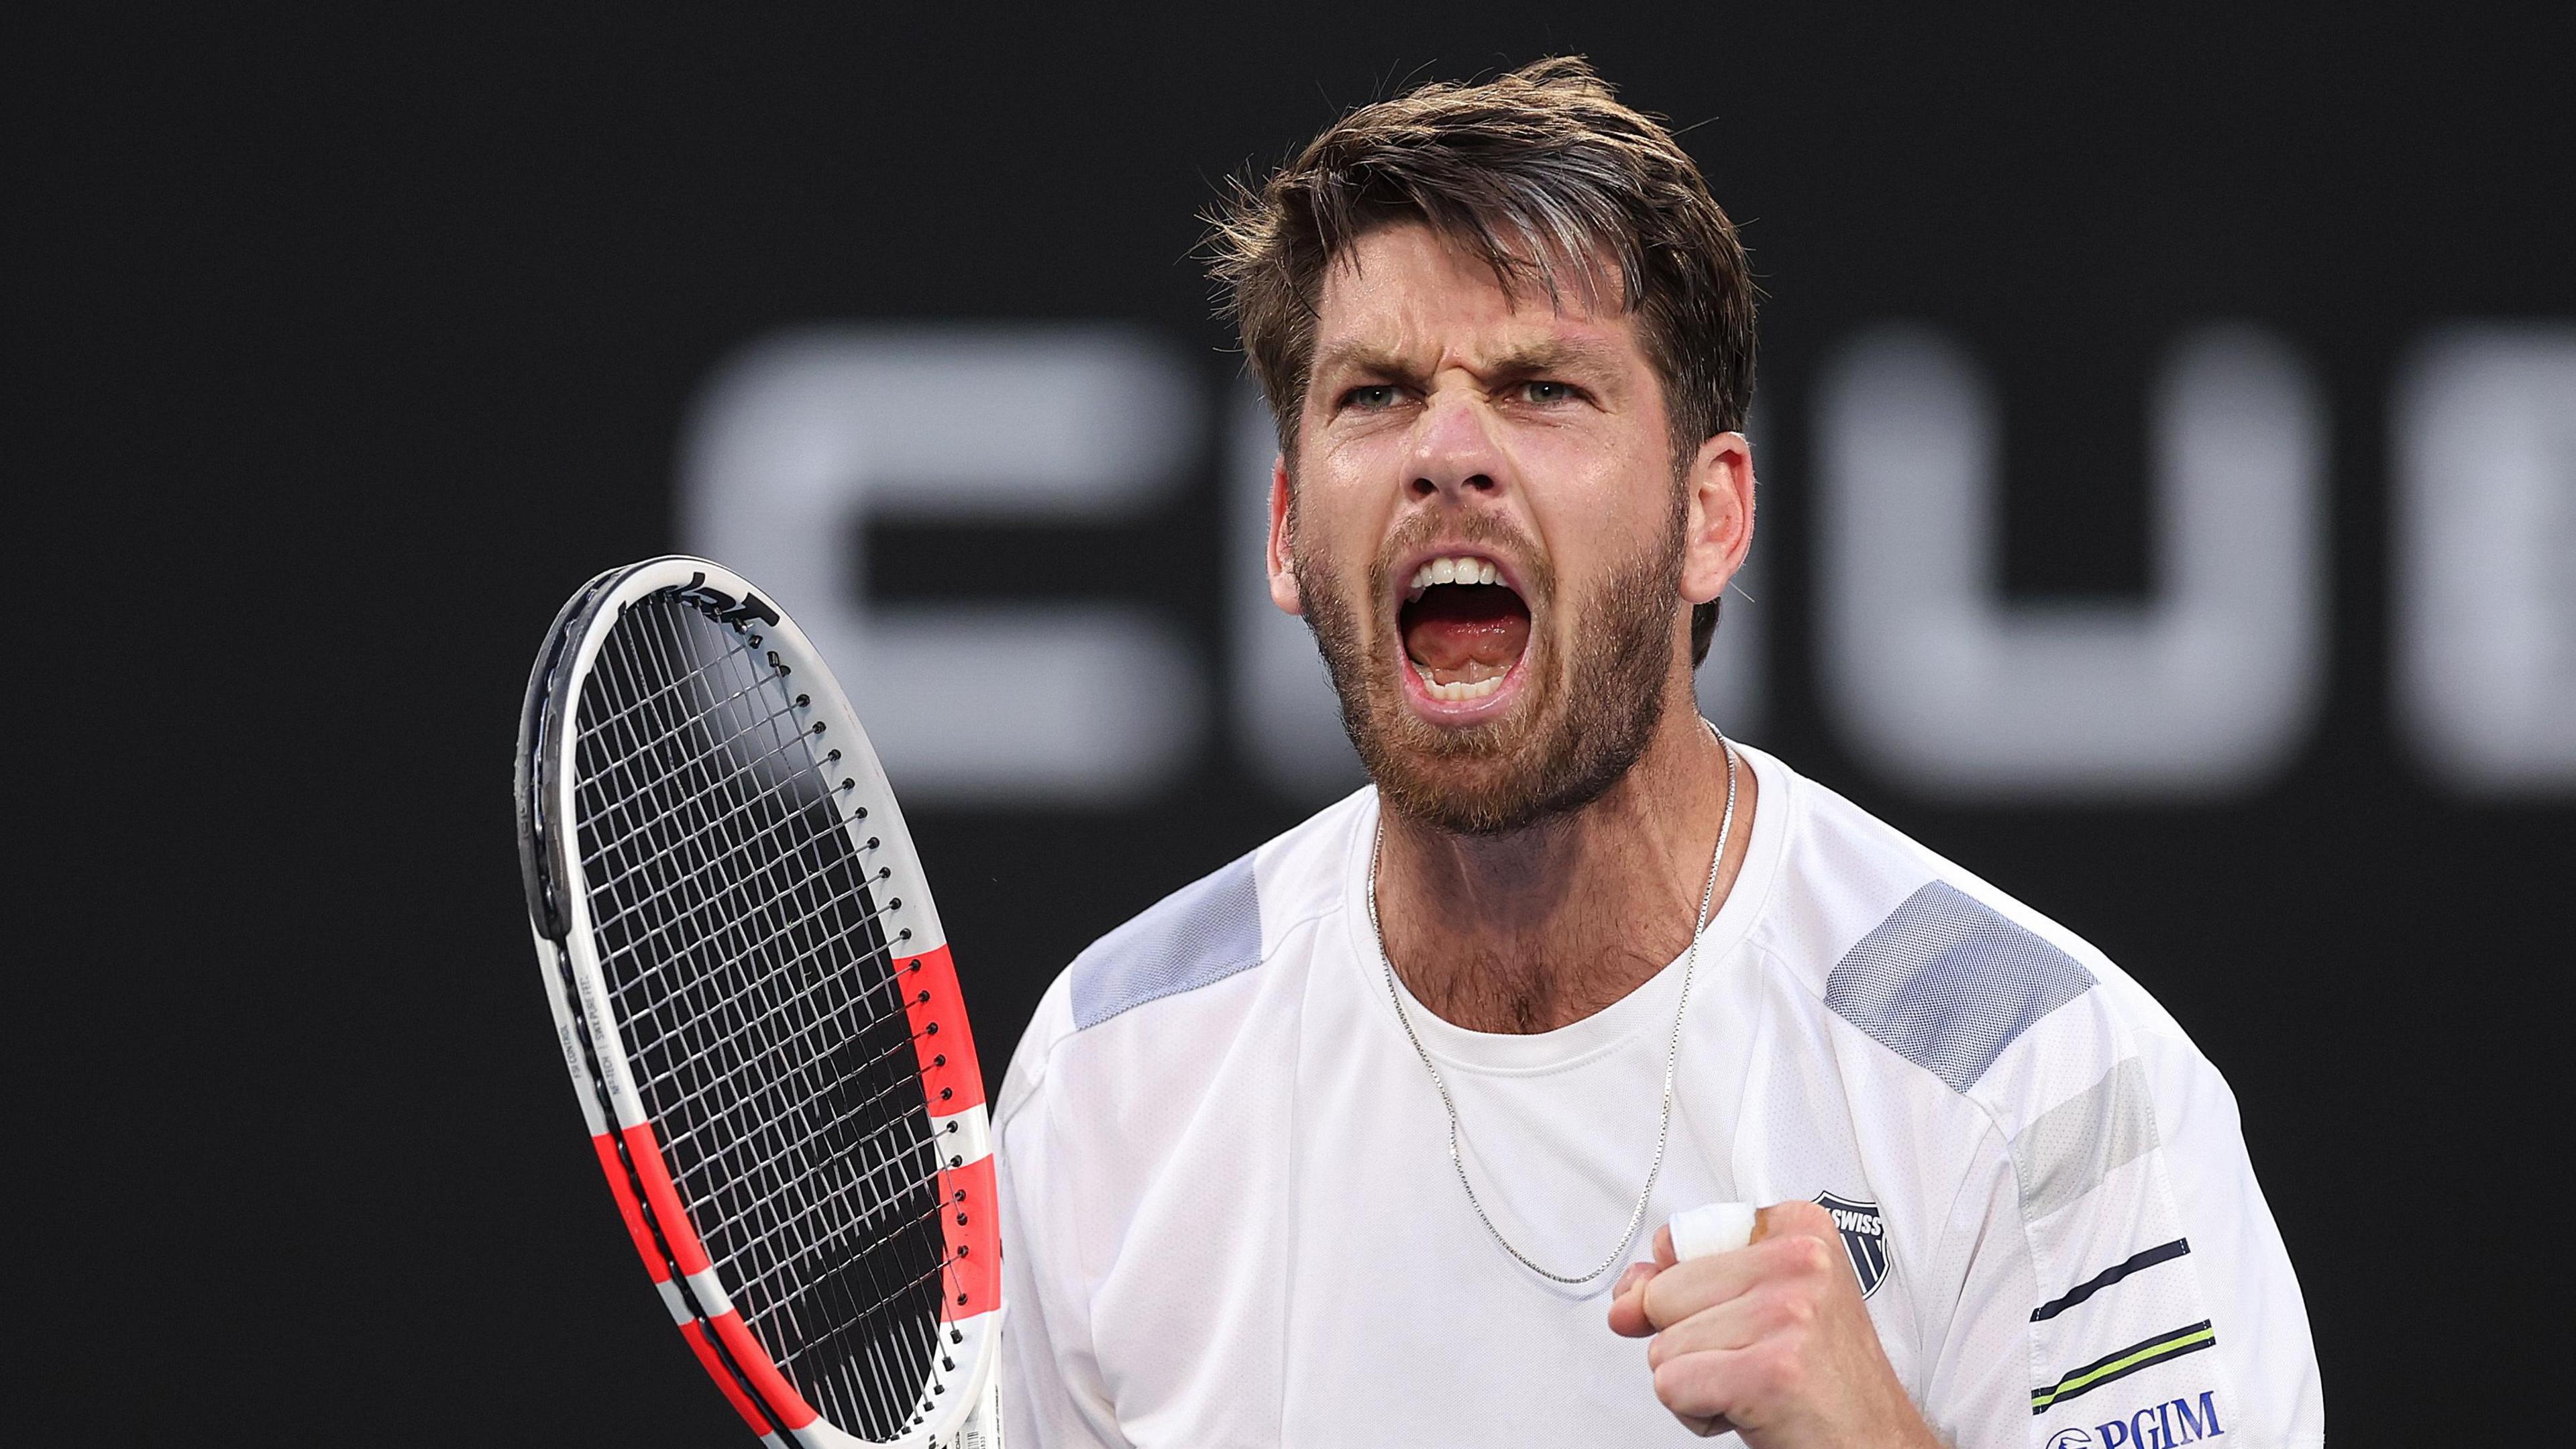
(1718, 1227)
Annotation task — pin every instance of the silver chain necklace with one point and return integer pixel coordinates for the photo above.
(1672, 1055)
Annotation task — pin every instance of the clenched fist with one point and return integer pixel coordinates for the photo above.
(1770, 1340)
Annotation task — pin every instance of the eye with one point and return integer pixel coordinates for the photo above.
(1370, 397)
(1544, 391)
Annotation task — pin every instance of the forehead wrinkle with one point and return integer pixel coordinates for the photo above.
(1586, 282)
(1516, 354)
(1363, 354)
(1512, 326)
(1552, 352)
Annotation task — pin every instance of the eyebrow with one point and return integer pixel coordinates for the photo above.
(1546, 354)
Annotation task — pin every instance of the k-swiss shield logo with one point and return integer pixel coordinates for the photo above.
(1864, 1238)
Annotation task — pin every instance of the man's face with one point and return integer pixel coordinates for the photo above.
(1486, 533)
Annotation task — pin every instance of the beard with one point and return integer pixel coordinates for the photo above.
(1579, 726)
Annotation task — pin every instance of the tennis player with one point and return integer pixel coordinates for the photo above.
(1367, 1137)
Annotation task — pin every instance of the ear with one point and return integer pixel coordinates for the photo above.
(1283, 579)
(1720, 522)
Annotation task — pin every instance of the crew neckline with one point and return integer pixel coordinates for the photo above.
(1647, 1008)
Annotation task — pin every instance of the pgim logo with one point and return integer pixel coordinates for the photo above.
(2168, 1425)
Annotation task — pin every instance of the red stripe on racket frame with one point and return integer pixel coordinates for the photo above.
(605, 1144)
(705, 1349)
(951, 1079)
(974, 1281)
(646, 1154)
(772, 1386)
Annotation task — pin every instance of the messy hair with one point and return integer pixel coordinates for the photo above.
(1544, 176)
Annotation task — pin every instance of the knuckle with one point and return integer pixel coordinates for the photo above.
(1805, 1217)
(1793, 1310)
(1808, 1255)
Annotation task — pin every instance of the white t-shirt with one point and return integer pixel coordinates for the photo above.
(1231, 1218)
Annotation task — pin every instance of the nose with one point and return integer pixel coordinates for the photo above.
(1453, 452)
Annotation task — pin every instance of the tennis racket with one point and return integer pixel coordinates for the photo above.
(760, 1015)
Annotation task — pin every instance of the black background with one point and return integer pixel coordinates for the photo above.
(349, 347)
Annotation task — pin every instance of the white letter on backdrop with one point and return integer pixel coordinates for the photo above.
(2202, 691)
(803, 439)
(2484, 434)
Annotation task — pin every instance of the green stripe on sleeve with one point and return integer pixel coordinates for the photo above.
(2127, 1361)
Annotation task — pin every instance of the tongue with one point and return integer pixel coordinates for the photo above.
(1450, 628)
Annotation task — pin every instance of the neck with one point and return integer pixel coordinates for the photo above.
(1533, 930)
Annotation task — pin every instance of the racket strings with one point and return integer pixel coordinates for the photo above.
(799, 1146)
(650, 939)
(929, 1176)
(699, 1057)
(646, 753)
(785, 778)
(794, 1237)
(771, 1070)
(887, 1234)
(753, 765)
(925, 1281)
(602, 923)
(846, 1077)
(671, 687)
(797, 1232)
(649, 752)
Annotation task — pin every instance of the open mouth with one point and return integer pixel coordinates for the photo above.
(1463, 628)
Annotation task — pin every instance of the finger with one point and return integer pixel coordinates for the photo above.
(1664, 1254)
(1801, 1251)
(1628, 1302)
(1738, 1322)
(1699, 1388)
(1677, 1292)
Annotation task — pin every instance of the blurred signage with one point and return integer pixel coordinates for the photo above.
(2205, 690)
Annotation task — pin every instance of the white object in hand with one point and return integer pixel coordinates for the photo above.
(1718, 1227)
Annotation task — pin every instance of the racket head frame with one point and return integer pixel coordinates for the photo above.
(965, 1394)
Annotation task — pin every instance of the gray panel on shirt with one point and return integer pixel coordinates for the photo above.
(1947, 983)
(2075, 1144)
(1200, 934)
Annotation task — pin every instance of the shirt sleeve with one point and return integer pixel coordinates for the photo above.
(2126, 1286)
(1052, 1396)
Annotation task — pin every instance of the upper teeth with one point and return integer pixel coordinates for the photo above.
(1457, 569)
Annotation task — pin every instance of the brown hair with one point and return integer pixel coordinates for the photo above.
(1538, 172)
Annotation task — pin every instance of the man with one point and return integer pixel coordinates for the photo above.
(1349, 1142)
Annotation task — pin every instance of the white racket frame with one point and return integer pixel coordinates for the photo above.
(966, 1412)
